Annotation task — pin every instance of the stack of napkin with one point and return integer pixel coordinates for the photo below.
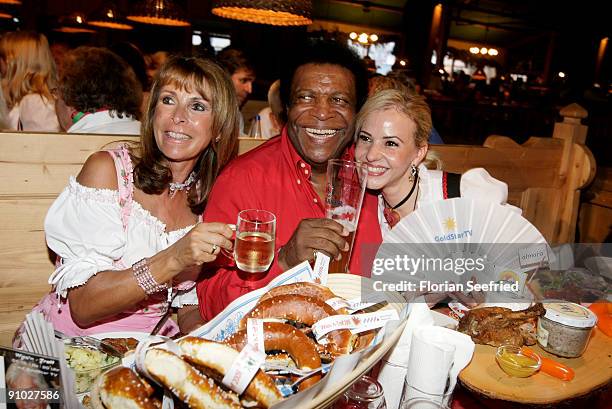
(428, 357)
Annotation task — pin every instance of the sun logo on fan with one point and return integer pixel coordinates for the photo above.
(450, 224)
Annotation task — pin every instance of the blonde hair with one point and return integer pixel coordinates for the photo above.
(413, 106)
(30, 67)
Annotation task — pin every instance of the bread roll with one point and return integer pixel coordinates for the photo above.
(123, 388)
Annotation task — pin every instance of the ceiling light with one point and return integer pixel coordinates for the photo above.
(109, 17)
(474, 50)
(483, 50)
(492, 52)
(402, 63)
(73, 24)
(353, 35)
(271, 12)
(561, 74)
(158, 12)
(373, 38)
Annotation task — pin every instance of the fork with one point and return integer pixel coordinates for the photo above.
(286, 370)
(91, 341)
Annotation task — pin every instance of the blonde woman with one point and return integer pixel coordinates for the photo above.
(392, 132)
(28, 76)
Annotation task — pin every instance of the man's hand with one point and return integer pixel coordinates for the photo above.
(312, 235)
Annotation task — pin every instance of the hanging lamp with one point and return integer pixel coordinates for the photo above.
(73, 24)
(109, 17)
(271, 12)
(158, 12)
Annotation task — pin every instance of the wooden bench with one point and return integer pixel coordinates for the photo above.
(544, 176)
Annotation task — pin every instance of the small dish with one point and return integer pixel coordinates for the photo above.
(87, 362)
(513, 362)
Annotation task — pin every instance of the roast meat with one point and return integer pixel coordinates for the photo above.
(497, 326)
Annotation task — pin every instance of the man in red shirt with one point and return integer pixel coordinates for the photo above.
(322, 89)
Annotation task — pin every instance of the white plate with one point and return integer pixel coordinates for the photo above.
(122, 334)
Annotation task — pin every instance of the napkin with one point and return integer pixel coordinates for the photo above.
(395, 364)
(437, 354)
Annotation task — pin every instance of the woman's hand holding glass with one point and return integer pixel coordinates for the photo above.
(201, 245)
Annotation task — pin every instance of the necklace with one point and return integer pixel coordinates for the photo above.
(174, 187)
(391, 215)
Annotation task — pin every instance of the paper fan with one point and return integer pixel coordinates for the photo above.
(435, 241)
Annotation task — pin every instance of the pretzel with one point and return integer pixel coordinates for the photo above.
(284, 337)
(123, 388)
(196, 390)
(305, 310)
(215, 359)
(306, 289)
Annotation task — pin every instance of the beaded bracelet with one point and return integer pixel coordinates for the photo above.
(145, 280)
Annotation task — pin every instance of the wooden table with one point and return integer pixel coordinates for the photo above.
(593, 370)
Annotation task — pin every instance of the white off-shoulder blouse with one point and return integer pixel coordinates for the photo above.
(93, 230)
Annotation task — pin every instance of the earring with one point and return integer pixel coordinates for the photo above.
(414, 171)
(217, 139)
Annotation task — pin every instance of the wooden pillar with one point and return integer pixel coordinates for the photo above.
(577, 169)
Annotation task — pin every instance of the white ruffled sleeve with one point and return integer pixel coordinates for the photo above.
(478, 184)
(83, 227)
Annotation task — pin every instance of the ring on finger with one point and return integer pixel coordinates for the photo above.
(214, 249)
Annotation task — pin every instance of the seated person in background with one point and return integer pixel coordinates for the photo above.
(242, 73)
(391, 132)
(28, 76)
(154, 62)
(273, 116)
(322, 86)
(98, 93)
(127, 229)
(381, 82)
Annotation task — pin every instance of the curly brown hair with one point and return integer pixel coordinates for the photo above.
(94, 78)
(151, 173)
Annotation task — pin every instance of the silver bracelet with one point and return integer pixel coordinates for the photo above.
(145, 279)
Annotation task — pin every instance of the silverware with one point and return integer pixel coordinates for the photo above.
(88, 341)
(161, 322)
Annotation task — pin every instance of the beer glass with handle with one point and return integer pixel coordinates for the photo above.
(346, 183)
(254, 244)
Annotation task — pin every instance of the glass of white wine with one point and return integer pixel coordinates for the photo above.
(254, 244)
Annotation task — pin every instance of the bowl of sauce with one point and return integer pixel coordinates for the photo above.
(513, 362)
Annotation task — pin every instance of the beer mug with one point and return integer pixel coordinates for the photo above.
(254, 243)
(346, 183)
